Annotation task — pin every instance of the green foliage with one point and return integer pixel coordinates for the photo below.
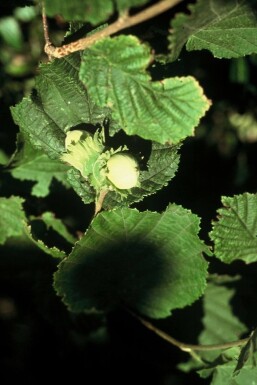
(10, 32)
(116, 98)
(247, 354)
(223, 374)
(161, 168)
(13, 223)
(81, 186)
(52, 251)
(147, 261)
(56, 224)
(217, 308)
(126, 4)
(234, 234)
(224, 370)
(60, 102)
(226, 28)
(51, 222)
(114, 72)
(25, 14)
(85, 10)
(80, 10)
(39, 128)
(34, 165)
(12, 218)
(3, 158)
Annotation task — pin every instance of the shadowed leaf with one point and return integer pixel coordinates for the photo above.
(148, 261)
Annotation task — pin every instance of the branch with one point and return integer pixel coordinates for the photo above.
(189, 348)
(45, 28)
(124, 21)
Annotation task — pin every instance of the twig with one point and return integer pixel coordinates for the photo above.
(45, 28)
(124, 21)
(189, 348)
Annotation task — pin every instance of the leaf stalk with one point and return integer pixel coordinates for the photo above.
(189, 348)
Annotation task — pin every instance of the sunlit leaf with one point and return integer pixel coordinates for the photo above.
(12, 218)
(59, 103)
(114, 72)
(34, 165)
(226, 28)
(235, 232)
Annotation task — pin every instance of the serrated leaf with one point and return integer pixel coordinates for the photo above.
(217, 308)
(34, 165)
(12, 218)
(81, 186)
(226, 28)
(148, 261)
(60, 102)
(223, 374)
(13, 223)
(220, 326)
(56, 224)
(114, 72)
(53, 251)
(161, 168)
(44, 134)
(234, 234)
(90, 11)
(247, 353)
(220, 323)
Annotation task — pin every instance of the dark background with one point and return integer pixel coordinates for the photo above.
(39, 339)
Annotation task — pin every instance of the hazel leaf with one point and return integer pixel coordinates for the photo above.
(114, 73)
(147, 261)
